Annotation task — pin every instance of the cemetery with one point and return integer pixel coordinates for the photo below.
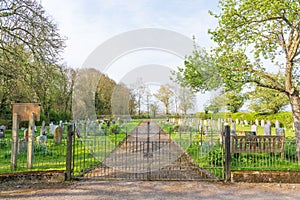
(126, 100)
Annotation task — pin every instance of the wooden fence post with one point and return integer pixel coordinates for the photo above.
(69, 153)
(30, 141)
(14, 150)
(227, 154)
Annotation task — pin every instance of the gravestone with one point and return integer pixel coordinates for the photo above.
(41, 139)
(236, 121)
(2, 131)
(269, 122)
(262, 123)
(246, 122)
(233, 128)
(254, 129)
(267, 129)
(22, 145)
(230, 120)
(58, 135)
(43, 130)
(277, 124)
(280, 131)
(62, 125)
(52, 127)
(257, 122)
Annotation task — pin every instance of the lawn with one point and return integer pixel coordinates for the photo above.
(50, 156)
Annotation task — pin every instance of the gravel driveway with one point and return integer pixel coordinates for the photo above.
(85, 190)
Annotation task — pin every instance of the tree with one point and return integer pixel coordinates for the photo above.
(271, 30)
(264, 100)
(139, 89)
(234, 100)
(186, 99)
(154, 109)
(29, 49)
(215, 104)
(164, 94)
(24, 22)
(250, 33)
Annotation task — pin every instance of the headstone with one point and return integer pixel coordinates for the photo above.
(280, 131)
(43, 130)
(254, 129)
(269, 122)
(242, 123)
(52, 127)
(246, 122)
(58, 135)
(262, 123)
(230, 120)
(267, 129)
(62, 125)
(257, 122)
(277, 124)
(2, 131)
(41, 139)
(22, 146)
(236, 121)
(233, 128)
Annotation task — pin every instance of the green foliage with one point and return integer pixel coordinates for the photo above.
(199, 72)
(115, 129)
(215, 156)
(263, 100)
(285, 118)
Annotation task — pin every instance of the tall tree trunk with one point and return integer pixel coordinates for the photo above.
(295, 103)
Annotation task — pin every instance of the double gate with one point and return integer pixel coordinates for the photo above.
(148, 153)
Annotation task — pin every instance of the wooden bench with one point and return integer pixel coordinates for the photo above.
(257, 144)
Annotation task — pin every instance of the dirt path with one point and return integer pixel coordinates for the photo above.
(153, 190)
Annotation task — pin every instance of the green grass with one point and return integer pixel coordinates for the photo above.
(52, 156)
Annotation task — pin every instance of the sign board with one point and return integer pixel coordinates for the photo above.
(25, 109)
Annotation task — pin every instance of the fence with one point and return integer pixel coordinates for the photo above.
(47, 156)
(205, 150)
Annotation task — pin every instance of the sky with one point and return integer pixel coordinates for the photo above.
(87, 24)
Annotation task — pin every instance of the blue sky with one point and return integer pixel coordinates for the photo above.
(89, 23)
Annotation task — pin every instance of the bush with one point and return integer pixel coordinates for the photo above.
(285, 118)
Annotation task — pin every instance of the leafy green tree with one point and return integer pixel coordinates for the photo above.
(264, 100)
(251, 36)
(271, 30)
(234, 101)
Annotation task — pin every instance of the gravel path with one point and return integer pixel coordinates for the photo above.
(85, 190)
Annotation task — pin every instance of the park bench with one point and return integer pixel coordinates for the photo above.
(257, 144)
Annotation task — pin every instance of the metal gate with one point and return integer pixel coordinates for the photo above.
(149, 153)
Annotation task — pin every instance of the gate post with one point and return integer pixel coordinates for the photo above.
(69, 153)
(30, 147)
(227, 154)
(14, 151)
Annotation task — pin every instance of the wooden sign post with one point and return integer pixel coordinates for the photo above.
(24, 112)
